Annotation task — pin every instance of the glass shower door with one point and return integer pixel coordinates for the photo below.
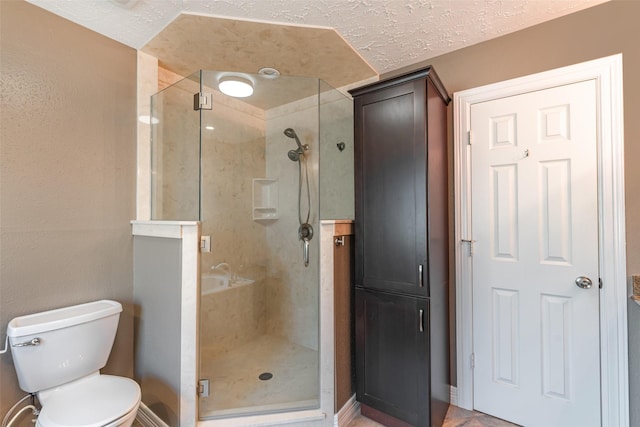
(259, 341)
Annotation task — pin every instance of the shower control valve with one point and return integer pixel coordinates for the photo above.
(305, 232)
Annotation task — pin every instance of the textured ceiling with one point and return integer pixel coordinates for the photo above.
(196, 42)
(388, 34)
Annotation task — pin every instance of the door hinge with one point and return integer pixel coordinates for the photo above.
(202, 101)
(203, 388)
(600, 282)
(470, 140)
(473, 360)
(205, 243)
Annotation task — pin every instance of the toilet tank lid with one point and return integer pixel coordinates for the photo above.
(62, 317)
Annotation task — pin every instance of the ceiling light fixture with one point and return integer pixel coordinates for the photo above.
(127, 4)
(235, 86)
(269, 72)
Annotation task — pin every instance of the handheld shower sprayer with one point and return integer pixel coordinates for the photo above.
(295, 154)
(305, 231)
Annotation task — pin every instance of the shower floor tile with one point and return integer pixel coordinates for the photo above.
(235, 386)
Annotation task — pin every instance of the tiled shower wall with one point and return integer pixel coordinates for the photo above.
(233, 153)
(292, 289)
(233, 140)
(231, 318)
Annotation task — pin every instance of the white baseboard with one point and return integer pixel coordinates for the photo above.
(453, 396)
(347, 413)
(147, 418)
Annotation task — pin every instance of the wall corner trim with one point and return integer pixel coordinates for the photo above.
(347, 413)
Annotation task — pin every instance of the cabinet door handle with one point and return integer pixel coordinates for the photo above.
(420, 279)
(421, 320)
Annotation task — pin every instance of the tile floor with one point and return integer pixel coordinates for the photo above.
(236, 388)
(456, 417)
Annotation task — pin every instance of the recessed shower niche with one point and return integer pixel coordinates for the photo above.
(258, 173)
(265, 199)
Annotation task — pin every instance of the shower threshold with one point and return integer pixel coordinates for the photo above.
(236, 387)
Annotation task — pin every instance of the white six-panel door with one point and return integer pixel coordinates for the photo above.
(535, 222)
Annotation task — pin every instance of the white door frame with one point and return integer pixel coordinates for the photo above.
(607, 73)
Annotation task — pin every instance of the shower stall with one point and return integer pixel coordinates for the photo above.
(258, 173)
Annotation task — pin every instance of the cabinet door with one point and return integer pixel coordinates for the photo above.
(390, 160)
(391, 355)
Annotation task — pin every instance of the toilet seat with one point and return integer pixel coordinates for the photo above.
(96, 402)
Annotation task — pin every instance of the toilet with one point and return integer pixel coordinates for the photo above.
(58, 355)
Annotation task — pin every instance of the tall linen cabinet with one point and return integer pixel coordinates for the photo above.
(401, 250)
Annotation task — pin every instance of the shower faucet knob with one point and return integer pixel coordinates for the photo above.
(305, 232)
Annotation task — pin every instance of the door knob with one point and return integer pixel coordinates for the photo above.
(583, 282)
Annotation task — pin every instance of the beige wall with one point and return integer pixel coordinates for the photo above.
(67, 154)
(597, 32)
(67, 173)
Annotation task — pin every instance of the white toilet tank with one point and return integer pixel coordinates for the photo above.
(57, 346)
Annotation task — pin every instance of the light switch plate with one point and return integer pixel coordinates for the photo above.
(636, 284)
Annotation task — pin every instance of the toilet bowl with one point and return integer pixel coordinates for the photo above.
(93, 401)
(58, 355)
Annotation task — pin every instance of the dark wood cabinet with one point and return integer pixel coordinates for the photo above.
(401, 249)
(392, 342)
(391, 196)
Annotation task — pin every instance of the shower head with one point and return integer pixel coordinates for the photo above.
(294, 155)
(292, 134)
